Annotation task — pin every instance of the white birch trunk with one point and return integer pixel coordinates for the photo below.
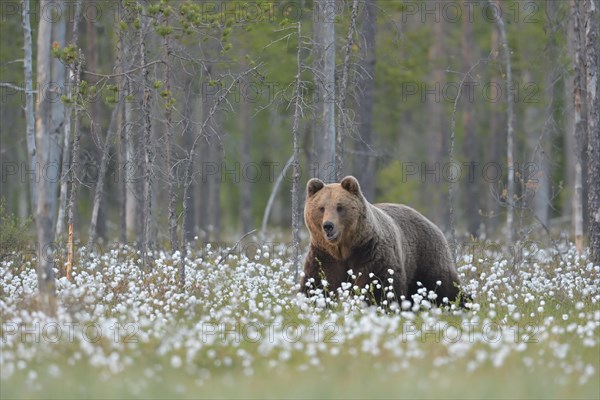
(295, 162)
(510, 184)
(343, 118)
(593, 126)
(29, 104)
(66, 147)
(578, 127)
(49, 120)
(326, 14)
(148, 151)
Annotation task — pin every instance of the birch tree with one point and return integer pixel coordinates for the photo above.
(317, 152)
(67, 134)
(295, 161)
(366, 86)
(75, 80)
(29, 103)
(510, 184)
(436, 141)
(200, 136)
(325, 10)
(49, 121)
(343, 117)
(130, 176)
(147, 142)
(121, 129)
(246, 129)
(593, 126)
(542, 200)
(164, 31)
(470, 138)
(99, 190)
(188, 218)
(578, 125)
(130, 171)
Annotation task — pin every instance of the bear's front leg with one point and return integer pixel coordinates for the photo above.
(319, 267)
(312, 274)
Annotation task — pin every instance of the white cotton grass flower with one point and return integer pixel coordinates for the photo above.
(405, 305)
(198, 321)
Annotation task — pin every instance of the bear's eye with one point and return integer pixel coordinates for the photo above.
(340, 208)
(321, 209)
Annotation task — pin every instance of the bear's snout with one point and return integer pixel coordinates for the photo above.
(329, 229)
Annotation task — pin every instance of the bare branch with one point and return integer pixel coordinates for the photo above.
(14, 87)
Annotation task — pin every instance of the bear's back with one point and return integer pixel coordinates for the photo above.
(409, 219)
(428, 247)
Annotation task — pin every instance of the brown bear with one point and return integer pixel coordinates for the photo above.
(375, 241)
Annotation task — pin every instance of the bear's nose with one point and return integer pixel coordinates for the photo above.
(328, 227)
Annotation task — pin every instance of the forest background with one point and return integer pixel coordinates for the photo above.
(146, 104)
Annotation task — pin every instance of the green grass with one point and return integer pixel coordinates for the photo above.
(337, 377)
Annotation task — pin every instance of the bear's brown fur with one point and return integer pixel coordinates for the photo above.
(347, 232)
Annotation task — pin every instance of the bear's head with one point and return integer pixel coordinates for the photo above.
(334, 213)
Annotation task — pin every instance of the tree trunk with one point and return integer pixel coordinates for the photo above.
(578, 124)
(569, 118)
(593, 126)
(202, 189)
(343, 118)
(74, 183)
(91, 61)
(120, 177)
(49, 121)
(326, 12)
(295, 161)
(543, 188)
(495, 144)
(131, 168)
(317, 155)
(188, 227)
(366, 156)
(171, 183)
(246, 189)
(65, 166)
(209, 116)
(99, 192)
(147, 143)
(94, 109)
(206, 165)
(29, 104)
(271, 200)
(510, 184)
(214, 208)
(471, 198)
(434, 192)
(66, 149)
(121, 129)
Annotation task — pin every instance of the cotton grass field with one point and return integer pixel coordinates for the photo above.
(238, 329)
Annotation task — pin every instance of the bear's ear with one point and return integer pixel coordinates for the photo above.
(350, 184)
(313, 186)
